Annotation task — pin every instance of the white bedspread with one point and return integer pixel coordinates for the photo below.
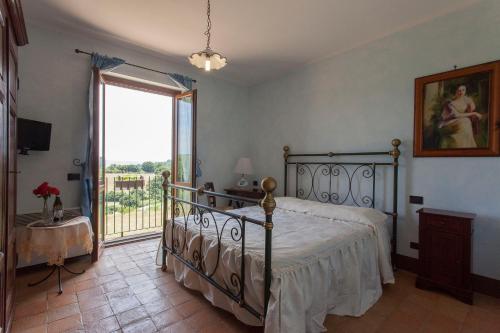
(325, 259)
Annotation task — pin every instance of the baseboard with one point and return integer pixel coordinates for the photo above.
(480, 284)
(407, 263)
(486, 285)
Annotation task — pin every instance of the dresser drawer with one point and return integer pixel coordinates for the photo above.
(446, 224)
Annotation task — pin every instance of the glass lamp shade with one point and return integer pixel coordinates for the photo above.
(207, 60)
(244, 166)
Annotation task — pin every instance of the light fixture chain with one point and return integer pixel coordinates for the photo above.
(209, 25)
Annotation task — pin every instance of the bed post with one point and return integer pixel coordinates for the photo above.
(286, 149)
(268, 185)
(395, 156)
(165, 175)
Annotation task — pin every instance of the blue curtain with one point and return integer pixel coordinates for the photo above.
(183, 80)
(103, 63)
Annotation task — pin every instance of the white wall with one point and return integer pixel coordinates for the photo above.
(54, 86)
(361, 99)
(358, 100)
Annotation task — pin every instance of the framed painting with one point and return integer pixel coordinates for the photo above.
(457, 113)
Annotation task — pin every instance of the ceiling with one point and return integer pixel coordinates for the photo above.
(262, 39)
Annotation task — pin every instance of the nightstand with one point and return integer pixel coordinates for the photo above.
(250, 193)
(445, 252)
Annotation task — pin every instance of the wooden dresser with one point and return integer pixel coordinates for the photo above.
(445, 252)
(252, 193)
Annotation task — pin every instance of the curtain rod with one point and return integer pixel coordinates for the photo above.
(127, 63)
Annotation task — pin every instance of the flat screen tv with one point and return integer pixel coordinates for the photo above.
(32, 135)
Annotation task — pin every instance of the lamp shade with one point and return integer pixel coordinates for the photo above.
(244, 166)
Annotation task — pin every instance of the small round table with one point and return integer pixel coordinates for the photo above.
(55, 241)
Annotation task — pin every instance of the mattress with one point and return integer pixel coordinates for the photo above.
(326, 259)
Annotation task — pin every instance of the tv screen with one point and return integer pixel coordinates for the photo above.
(33, 135)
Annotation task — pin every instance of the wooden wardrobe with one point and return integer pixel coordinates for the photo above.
(12, 35)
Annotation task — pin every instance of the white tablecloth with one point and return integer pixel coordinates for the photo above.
(55, 242)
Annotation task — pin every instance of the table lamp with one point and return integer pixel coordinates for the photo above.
(243, 167)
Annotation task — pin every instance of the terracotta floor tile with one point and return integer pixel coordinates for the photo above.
(112, 290)
(125, 266)
(137, 279)
(63, 312)
(201, 318)
(105, 325)
(92, 316)
(142, 326)
(168, 278)
(36, 329)
(85, 276)
(25, 293)
(219, 328)
(144, 262)
(181, 327)
(120, 293)
(110, 277)
(67, 324)
(400, 321)
(440, 323)
(453, 308)
(90, 293)
(92, 302)
(132, 315)
(179, 297)
(121, 304)
(114, 285)
(157, 306)
(25, 323)
(30, 308)
(101, 271)
(141, 287)
(190, 307)
(132, 271)
(56, 300)
(149, 296)
(86, 284)
(166, 318)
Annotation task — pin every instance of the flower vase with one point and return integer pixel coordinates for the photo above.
(45, 210)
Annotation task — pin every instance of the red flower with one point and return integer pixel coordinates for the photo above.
(44, 190)
(54, 190)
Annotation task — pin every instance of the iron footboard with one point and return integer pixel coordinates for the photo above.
(182, 208)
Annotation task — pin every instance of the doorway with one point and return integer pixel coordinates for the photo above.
(143, 129)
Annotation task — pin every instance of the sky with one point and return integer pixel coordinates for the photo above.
(138, 126)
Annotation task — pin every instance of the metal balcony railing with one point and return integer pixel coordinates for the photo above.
(133, 205)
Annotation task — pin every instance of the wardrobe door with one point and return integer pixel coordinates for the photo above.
(3, 162)
(10, 255)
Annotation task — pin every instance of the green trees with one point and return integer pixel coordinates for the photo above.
(148, 167)
(145, 167)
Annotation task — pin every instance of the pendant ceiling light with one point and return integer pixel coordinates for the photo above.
(207, 58)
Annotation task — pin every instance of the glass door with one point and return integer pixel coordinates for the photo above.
(184, 143)
(98, 166)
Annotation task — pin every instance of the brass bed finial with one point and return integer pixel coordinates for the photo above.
(166, 175)
(286, 149)
(395, 150)
(268, 185)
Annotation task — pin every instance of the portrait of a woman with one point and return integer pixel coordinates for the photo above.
(459, 121)
(457, 113)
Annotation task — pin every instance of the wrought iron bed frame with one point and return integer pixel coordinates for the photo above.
(202, 216)
(335, 169)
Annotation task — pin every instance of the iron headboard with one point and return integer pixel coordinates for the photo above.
(323, 173)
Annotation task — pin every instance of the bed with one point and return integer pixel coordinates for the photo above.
(287, 262)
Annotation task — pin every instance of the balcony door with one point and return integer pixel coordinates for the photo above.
(184, 149)
(127, 202)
